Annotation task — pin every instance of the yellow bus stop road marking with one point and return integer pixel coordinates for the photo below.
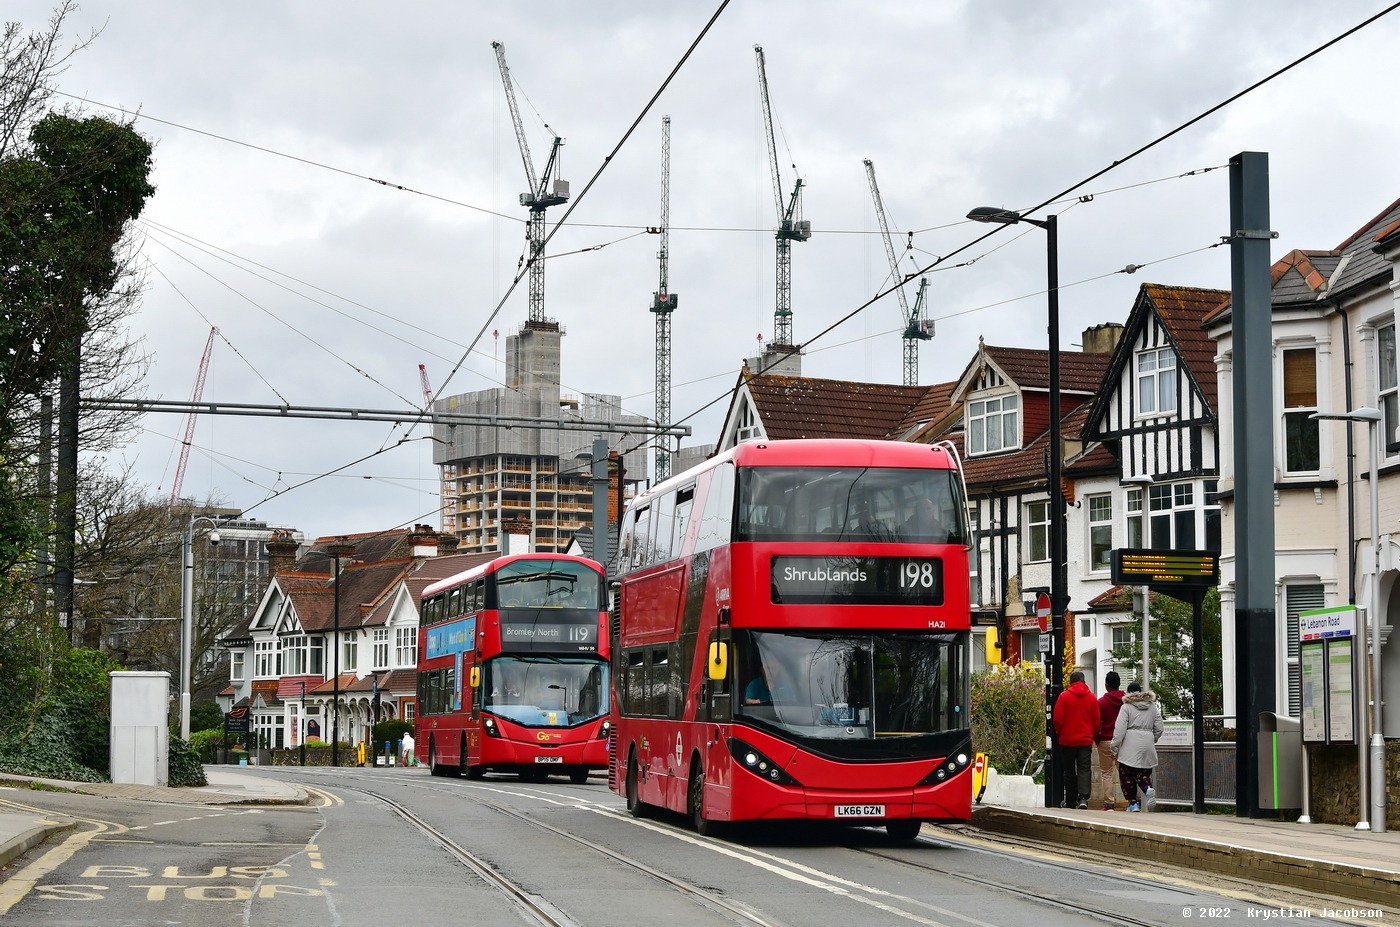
(13, 890)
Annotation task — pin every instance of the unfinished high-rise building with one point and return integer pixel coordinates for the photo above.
(532, 482)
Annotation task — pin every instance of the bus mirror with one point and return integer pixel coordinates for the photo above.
(476, 676)
(719, 660)
(993, 646)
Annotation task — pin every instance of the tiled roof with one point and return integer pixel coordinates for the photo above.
(1029, 368)
(348, 683)
(399, 682)
(1029, 462)
(1299, 277)
(935, 404)
(1182, 309)
(433, 569)
(807, 407)
(360, 584)
(1113, 598)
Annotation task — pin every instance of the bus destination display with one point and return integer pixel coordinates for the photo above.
(554, 633)
(857, 581)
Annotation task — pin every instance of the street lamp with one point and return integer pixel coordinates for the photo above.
(187, 612)
(1059, 574)
(301, 723)
(334, 554)
(1371, 417)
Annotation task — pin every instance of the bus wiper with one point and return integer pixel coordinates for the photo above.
(533, 577)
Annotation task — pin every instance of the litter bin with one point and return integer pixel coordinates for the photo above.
(1280, 761)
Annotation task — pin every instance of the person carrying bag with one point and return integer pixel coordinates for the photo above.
(1135, 737)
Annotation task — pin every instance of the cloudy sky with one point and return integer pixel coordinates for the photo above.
(957, 104)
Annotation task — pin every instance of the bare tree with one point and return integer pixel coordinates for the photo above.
(29, 63)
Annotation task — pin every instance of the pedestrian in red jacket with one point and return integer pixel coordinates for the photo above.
(1076, 719)
(1110, 703)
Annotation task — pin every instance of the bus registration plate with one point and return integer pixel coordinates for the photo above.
(549, 759)
(860, 811)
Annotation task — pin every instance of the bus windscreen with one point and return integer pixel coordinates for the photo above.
(547, 584)
(539, 691)
(850, 504)
(854, 695)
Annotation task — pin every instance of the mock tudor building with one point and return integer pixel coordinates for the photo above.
(284, 657)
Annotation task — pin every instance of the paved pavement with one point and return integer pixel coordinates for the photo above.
(224, 788)
(1310, 856)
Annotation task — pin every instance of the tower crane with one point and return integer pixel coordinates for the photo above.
(427, 387)
(195, 395)
(663, 303)
(545, 191)
(791, 226)
(916, 327)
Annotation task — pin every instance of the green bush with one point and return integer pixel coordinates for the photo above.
(206, 715)
(1008, 718)
(184, 769)
(61, 727)
(206, 742)
(392, 732)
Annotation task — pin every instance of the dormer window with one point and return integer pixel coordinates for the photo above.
(992, 424)
(1156, 377)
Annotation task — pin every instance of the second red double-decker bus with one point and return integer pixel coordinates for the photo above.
(513, 669)
(792, 635)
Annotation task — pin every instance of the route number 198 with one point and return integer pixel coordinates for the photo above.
(916, 574)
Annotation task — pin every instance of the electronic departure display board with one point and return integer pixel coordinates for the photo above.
(1166, 570)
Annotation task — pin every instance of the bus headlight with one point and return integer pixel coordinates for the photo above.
(603, 730)
(492, 729)
(755, 762)
(948, 767)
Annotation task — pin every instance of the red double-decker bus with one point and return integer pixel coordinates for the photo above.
(513, 669)
(792, 638)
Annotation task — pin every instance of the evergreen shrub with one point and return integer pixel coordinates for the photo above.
(1008, 718)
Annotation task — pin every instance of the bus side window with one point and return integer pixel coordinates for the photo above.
(634, 683)
(624, 544)
(659, 677)
(717, 521)
(641, 543)
(685, 500)
(663, 517)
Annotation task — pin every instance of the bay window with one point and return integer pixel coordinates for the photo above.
(406, 647)
(1135, 519)
(1100, 531)
(1038, 531)
(235, 670)
(381, 649)
(993, 425)
(1389, 390)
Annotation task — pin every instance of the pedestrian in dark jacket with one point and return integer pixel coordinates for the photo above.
(1076, 720)
(1135, 737)
(1109, 705)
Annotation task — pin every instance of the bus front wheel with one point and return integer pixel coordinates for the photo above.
(635, 806)
(579, 776)
(704, 826)
(475, 772)
(904, 830)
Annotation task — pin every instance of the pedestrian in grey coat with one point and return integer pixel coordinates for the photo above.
(1135, 737)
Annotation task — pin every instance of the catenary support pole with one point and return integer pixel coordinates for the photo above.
(66, 496)
(1378, 777)
(1256, 656)
(1059, 576)
(186, 623)
(1198, 708)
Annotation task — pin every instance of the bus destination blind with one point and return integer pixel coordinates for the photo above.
(857, 581)
(552, 633)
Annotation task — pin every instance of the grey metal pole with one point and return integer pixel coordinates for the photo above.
(1198, 708)
(600, 500)
(335, 686)
(1059, 577)
(1378, 776)
(1256, 655)
(1146, 628)
(186, 623)
(66, 491)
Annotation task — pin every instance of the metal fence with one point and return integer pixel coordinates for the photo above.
(1174, 781)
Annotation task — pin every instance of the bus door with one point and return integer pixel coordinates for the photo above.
(471, 698)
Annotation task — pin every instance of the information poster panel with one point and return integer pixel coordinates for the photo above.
(1341, 724)
(1313, 663)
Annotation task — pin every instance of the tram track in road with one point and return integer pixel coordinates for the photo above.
(538, 909)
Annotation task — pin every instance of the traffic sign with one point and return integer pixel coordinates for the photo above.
(1042, 611)
(1044, 643)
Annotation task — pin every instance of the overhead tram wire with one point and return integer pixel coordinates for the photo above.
(997, 229)
(520, 275)
(137, 114)
(284, 322)
(209, 248)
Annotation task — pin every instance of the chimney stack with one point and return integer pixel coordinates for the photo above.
(447, 544)
(341, 548)
(1101, 339)
(281, 551)
(423, 542)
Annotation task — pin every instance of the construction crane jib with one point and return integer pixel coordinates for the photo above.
(916, 327)
(663, 303)
(545, 191)
(791, 226)
(195, 395)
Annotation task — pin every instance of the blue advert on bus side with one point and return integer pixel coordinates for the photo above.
(453, 637)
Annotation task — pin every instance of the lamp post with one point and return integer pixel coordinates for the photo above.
(1372, 417)
(1059, 575)
(187, 612)
(1142, 481)
(334, 553)
(301, 723)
